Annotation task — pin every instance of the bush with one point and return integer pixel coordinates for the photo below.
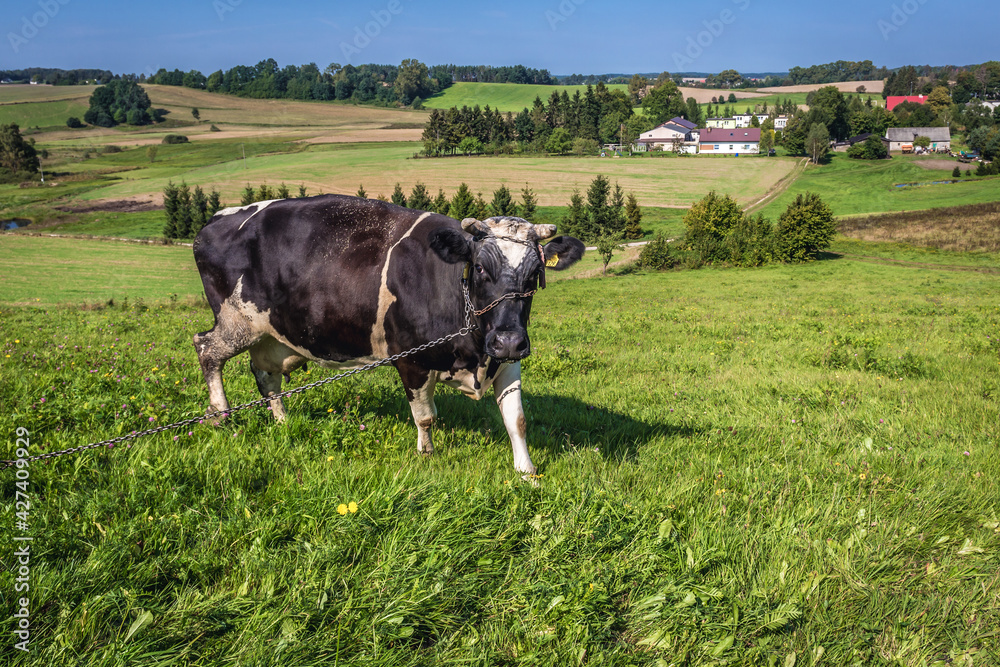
(583, 146)
(655, 255)
(751, 241)
(175, 139)
(110, 148)
(708, 223)
(805, 228)
(74, 123)
(213, 128)
(956, 172)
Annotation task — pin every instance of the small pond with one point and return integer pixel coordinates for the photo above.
(14, 223)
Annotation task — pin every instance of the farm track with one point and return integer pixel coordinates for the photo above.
(780, 186)
(868, 259)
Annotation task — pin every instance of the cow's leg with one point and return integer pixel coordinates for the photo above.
(507, 388)
(269, 384)
(419, 385)
(214, 349)
(269, 360)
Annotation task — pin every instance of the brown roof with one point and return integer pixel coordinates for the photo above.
(712, 135)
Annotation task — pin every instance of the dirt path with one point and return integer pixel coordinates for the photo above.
(780, 186)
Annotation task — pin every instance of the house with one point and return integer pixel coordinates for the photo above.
(677, 134)
(724, 123)
(893, 100)
(714, 140)
(900, 139)
(847, 143)
(743, 119)
(992, 104)
(780, 122)
(761, 116)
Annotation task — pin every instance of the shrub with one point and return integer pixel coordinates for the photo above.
(956, 172)
(74, 122)
(110, 148)
(751, 241)
(708, 223)
(175, 139)
(213, 128)
(655, 255)
(805, 228)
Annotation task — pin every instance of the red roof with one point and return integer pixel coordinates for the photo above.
(893, 100)
(712, 135)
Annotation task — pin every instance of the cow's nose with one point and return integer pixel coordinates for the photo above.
(509, 345)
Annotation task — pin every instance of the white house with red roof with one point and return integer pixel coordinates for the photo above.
(724, 141)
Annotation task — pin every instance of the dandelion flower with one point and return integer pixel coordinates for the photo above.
(330, 410)
(352, 507)
(341, 509)
(329, 458)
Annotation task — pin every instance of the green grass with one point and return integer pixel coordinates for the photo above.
(48, 271)
(723, 481)
(512, 97)
(853, 187)
(43, 114)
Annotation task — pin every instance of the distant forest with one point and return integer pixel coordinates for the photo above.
(56, 77)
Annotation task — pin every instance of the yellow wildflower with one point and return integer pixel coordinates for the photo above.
(341, 509)
(352, 507)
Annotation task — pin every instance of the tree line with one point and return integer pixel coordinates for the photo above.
(498, 74)
(841, 70)
(56, 77)
(186, 211)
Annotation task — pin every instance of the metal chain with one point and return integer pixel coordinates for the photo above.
(464, 331)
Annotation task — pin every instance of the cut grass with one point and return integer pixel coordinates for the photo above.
(722, 481)
(972, 228)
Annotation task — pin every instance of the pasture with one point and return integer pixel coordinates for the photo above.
(795, 464)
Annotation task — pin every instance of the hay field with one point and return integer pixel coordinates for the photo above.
(340, 168)
(843, 86)
(21, 93)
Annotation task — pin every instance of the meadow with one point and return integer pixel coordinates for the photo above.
(788, 465)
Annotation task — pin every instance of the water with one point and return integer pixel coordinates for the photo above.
(14, 223)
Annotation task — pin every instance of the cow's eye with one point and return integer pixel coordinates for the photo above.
(479, 269)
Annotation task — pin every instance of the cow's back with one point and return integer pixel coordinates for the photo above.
(310, 268)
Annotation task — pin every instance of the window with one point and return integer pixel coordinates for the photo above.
(716, 146)
(730, 147)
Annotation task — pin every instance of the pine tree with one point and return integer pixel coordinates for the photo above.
(302, 191)
(248, 195)
(480, 210)
(170, 208)
(529, 203)
(598, 211)
(633, 217)
(398, 198)
(199, 210)
(419, 199)
(575, 220)
(502, 204)
(462, 204)
(283, 191)
(214, 203)
(616, 218)
(441, 204)
(361, 192)
(264, 193)
(183, 225)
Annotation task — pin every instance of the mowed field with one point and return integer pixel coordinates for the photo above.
(789, 465)
(515, 97)
(342, 168)
(873, 87)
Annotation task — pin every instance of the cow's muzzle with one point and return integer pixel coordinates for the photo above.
(506, 345)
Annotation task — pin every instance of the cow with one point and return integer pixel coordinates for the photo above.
(342, 281)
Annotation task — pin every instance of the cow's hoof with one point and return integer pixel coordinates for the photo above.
(532, 478)
(427, 454)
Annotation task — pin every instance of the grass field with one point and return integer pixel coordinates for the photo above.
(854, 187)
(724, 481)
(340, 168)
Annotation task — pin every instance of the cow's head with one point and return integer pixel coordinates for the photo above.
(503, 257)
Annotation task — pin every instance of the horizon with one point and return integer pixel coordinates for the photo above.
(560, 36)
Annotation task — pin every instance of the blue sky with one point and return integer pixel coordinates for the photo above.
(563, 36)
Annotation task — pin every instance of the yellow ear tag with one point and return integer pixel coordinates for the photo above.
(465, 272)
(552, 261)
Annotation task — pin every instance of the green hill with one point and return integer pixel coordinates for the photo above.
(504, 96)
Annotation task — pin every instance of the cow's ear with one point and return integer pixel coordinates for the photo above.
(562, 252)
(451, 245)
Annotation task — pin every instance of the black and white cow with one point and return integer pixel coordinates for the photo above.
(342, 281)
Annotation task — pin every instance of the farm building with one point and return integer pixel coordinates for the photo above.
(780, 122)
(676, 134)
(847, 143)
(715, 140)
(900, 139)
(724, 123)
(893, 100)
